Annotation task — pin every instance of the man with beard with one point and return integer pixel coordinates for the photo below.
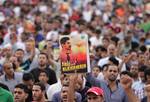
(43, 65)
(113, 91)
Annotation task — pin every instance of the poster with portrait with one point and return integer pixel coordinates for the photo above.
(74, 54)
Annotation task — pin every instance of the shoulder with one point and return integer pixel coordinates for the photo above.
(5, 92)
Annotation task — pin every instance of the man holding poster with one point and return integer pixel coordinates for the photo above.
(73, 54)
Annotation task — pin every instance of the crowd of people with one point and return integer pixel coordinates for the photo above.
(119, 48)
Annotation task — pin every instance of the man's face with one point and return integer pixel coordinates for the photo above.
(19, 54)
(19, 95)
(8, 68)
(141, 58)
(28, 46)
(112, 73)
(64, 94)
(111, 50)
(95, 71)
(37, 93)
(141, 75)
(134, 70)
(94, 98)
(7, 51)
(67, 45)
(42, 60)
(29, 83)
(43, 77)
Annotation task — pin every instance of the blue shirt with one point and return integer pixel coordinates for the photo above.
(117, 95)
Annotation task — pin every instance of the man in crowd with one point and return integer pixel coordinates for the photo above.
(110, 85)
(21, 93)
(38, 92)
(95, 94)
(43, 65)
(10, 78)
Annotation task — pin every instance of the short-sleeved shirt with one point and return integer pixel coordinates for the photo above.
(117, 95)
(13, 82)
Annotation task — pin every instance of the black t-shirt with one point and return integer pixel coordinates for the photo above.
(52, 76)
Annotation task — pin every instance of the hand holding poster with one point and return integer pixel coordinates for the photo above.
(74, 54)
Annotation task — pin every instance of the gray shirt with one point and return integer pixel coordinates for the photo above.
(13, 82)
(117, 95)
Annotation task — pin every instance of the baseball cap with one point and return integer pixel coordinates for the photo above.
(96, 90)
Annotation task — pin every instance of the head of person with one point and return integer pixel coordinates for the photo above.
(113, 60)
(29, 44)
(95, 71)
(64, 79)
(111, 50)
(7, 50)
(111, 72)
(38, 92)
(64, 93)
(43, 76)
(28, 80)
(134, 70)
(42, 59)
(101, 51)
(95, 94)
(20, 93)
(80, 84)
(124, 74)
(65, 43)
(104, 69)
(141, 73)
(8, 69)
(19, 53)
(106, 42)
(141, 58)
(147, 75)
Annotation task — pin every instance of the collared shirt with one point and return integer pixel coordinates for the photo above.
(11, 83)
(138, 87)
(117, 95)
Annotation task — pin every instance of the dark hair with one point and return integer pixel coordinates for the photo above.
(143, 48)
(126, 73)
(101, 48)
(114, 60)
(115, 39)
(20, 50)
(42, 53)
(64, 39)
(105, 65)
(23, 87)
(142, 68)
(27, 77)
(146, 73)
(42, 86)
(44, 71)
(4, 86)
